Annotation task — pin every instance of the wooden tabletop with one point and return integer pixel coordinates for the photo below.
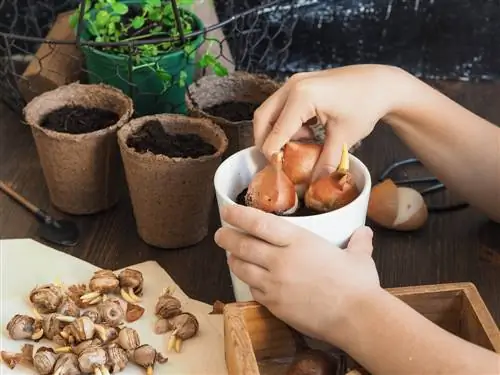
(453, 246)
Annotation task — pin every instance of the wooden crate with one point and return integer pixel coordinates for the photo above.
(254, 338)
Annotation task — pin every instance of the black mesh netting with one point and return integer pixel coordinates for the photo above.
(454, 39)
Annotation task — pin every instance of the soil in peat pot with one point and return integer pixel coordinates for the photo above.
(79, 119)
(301, 211)
(152, 137)
(233, 111)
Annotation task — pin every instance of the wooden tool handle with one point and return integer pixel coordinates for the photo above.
(11, 193)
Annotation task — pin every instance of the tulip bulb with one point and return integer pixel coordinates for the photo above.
(271, 190)
(334, 191)
(398, 208)
(299, 160)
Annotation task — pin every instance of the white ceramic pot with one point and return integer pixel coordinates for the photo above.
(236, 172)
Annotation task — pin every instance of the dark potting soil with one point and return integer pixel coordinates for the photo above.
(301, 211)
(152, 137)
(233, 111)
(79, 119)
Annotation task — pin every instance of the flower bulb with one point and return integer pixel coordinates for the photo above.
(333, 191)
(299, 160)
(271, 190)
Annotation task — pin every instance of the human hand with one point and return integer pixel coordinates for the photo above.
(300, 277)
(348, 101)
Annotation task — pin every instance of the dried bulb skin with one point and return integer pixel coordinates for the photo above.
(111, 312)
(162, 326)
(186, 325)
(67, 364)
(104, 281)
(105, 334)
(51, 325)
(117, 358)
(44, 360)
(91, 358)
(272, 191)
(331, 192)
(167, 306)
(128, 338)
(130, 278)
(68, 307)
(78, 349)
(93, 314)
(13, 359)
(299, 160)
(46, 298)
(22, 327)
(147, 356)
(81, 329)
(75, 292)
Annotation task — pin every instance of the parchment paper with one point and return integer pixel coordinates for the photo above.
(26, 263)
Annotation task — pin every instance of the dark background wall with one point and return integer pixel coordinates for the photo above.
(430, 38)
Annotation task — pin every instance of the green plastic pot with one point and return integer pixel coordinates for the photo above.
(147, 89)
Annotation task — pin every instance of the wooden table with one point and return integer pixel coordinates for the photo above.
(451, 248)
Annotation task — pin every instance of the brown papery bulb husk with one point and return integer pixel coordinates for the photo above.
(91, 358)
(51, 325)
(111, 312)
(46, 298)
(271, 190)
(167, 306)
(68, 307)
(299, 159)
(117, 358)
(67, 364)
(44, 360)
(104, 281)
(331, 192)
(398, 208)
(22, 327)
(128, 338)
(130, 278)
(186, 325)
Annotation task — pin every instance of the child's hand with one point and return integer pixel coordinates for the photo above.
(349, 101)
(300, 277)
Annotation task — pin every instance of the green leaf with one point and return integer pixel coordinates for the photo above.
(163, 75)
(155, 16)
(73, 19)
(219, 69)
(138, 22)
(120, 8)
(102, 18)
(154, 3)
(182, 78)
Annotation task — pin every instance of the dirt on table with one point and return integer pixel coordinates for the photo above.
(79, 119)
(301, 211)
(152, 137)
(233, 111)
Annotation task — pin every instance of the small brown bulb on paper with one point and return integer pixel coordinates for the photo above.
(398, 208)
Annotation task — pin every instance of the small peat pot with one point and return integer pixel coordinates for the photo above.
(230, 102)
(74, 128)
(170, 162)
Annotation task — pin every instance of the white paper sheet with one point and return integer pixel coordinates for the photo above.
(26, 263)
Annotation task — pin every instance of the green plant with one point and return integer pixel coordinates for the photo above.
(114, 21)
